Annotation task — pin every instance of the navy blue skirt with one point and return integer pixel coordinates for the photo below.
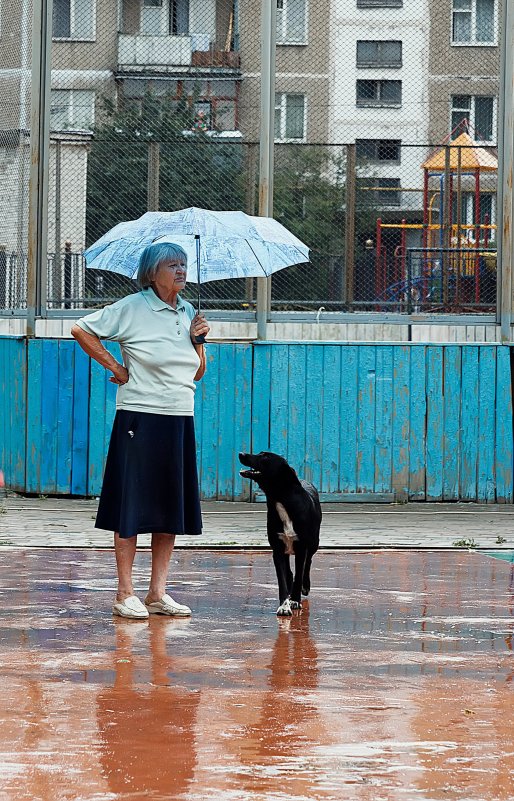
(150, 481)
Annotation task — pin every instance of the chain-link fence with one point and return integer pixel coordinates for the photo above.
(15, 94)
(385, 127)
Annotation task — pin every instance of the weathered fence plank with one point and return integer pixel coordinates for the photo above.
(451, 423)
(13, 420)
(330, 430)
(434, 446)
(384, 420)
(486, 423)
(79, 455)
(503, 446)
(33, 414)
(402, 387)
(360, 421)
(416, 433)
(470, 401)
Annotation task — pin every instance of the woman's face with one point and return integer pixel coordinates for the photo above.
(170, 277)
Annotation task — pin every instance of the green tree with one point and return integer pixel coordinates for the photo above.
(195, 170)
(310, 200)
(198, 170)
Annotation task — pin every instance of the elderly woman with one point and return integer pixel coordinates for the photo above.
(150, 482)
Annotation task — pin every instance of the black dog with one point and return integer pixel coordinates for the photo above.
(294, 520)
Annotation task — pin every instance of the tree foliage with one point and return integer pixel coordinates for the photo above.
(195, 170)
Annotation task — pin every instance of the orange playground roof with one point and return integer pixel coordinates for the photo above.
(473, 157)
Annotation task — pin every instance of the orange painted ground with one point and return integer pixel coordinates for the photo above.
(394, 682)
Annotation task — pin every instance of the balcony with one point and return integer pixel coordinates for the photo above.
(160, 52)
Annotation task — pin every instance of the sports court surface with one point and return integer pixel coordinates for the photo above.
(396, 680)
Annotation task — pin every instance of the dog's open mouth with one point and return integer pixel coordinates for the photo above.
(249, 473)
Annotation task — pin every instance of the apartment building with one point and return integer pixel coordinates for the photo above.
(379, 93)
(179, 49)
(463, 84)
(302, 70)
(384, 74)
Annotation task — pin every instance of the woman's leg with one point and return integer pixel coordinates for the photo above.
(125, 550)
(162, 548)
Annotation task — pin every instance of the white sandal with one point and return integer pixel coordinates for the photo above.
(130, 607)
(167, 606)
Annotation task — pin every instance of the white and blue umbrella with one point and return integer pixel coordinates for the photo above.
(219, 244)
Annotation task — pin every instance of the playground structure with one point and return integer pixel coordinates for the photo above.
(454, 264)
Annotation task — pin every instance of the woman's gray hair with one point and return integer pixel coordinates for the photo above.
(151, 259)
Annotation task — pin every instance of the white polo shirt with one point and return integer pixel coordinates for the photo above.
(157, 351)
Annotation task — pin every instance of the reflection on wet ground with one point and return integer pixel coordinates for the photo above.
(394, 682)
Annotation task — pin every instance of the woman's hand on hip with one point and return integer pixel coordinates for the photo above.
(199, 327)
(120, 375)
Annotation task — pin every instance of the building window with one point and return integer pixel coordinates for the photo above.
(73, 19)
(72, 110)
(291, 22)
(379, 3)
(381, 191)
(379, 93)
(473, 22)
(379, 54)
(289, 116)
(474, 114)
(378, 151)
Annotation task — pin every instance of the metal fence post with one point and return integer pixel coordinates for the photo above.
(251, 176)
(505, 243)
(3, 276)
(37, 267)
(348, 286)
(67, 275)
(266, 144)
(55, 278)
(152, 197)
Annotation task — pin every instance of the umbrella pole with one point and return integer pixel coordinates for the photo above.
(201, 339)
(197, 242)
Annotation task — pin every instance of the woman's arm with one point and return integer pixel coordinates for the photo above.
(94, 348)
(203, 363)
(199, 327)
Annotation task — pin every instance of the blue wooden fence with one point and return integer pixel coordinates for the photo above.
(425, 422)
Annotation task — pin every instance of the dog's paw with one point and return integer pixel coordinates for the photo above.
(306, 590)
(296, 604)
(285, 610)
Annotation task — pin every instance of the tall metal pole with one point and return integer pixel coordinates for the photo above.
(267, 136)
(152, 191)
(39, 162)
(349, 232)
(505, 233)
(56, 271)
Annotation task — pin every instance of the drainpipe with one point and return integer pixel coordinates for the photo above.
(37, 267)
(267, 136)
(505, 231)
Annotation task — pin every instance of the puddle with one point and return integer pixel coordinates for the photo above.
(395, 681)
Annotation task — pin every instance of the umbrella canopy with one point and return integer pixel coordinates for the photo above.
(219, 244)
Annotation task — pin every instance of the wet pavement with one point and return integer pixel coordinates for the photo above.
(396, 680)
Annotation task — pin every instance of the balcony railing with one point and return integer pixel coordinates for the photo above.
(155, 51)
(138, 51)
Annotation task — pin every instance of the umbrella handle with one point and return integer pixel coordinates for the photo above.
(201, 339)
